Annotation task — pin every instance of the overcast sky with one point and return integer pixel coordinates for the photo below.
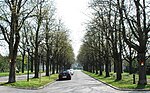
(72, 13)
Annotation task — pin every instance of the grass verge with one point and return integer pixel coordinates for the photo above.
(7, 73)
(125, 83)
(33, 83)
(4, 74)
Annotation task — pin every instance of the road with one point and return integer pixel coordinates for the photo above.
(80, 83)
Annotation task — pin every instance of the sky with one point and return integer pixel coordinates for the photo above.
(72, 13)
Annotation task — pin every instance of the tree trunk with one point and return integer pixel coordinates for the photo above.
(85, 67)
(12, 73)
(110, 67)
(36, 64)
(142, 69)
(119, 77)
(107, 68)
(31, 63)
(115, 67)
(53, 68)
(130, 62)
(119, 66)
(90, 68)
(13, 43)
(100, 69)
(57, 68)
(96, 67)
(130, 68)
(50, 67)
(23, 61)
(43, 66)
(47, 62)
(93, 69)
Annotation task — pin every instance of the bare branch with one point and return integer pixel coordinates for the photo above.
(4, 33)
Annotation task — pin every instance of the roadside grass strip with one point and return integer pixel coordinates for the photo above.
(2, 74)
(33, 83)
(125, 83)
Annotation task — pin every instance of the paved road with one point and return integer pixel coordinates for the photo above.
(80, 83)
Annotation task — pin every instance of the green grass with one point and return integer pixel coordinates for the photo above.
(125, 83)
(4, 74)
(34, 82)
(7, 73)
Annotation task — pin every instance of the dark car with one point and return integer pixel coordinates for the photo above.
(64, 75)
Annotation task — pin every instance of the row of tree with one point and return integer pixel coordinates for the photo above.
(118, 31)
(32, 26)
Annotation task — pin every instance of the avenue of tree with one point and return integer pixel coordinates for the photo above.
(118, 32)
(31, 28)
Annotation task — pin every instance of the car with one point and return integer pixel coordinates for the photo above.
(71, 71)
(64, 75)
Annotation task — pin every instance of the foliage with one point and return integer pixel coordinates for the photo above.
(114, 34)
(4, 66)
(19, 62)
(34, 24)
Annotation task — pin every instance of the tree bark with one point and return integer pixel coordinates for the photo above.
(53, 68)
(96, 67)
(47, 62)
(23, 55)
(130, 68)
(32, 65)
(12, 73)
(119, 66)
(57, 68)
(107, 68)
(13, 44)
(142, 69)
(36, 63)
(100, 69)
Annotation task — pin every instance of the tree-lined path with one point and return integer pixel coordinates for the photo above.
(80, 83)
(116, 40)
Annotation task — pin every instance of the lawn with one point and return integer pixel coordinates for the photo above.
(7, 73)
(4, 74)
(34, 83)
(125, 83)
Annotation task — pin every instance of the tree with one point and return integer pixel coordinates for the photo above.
(37, 26)
(62, 50)
(140, 27)
(129, 56)
(109, 28)
(13, 16)
(49, 29)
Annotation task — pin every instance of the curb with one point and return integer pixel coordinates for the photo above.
(121, 89)
(46, 85)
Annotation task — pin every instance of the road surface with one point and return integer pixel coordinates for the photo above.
(80, 83)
